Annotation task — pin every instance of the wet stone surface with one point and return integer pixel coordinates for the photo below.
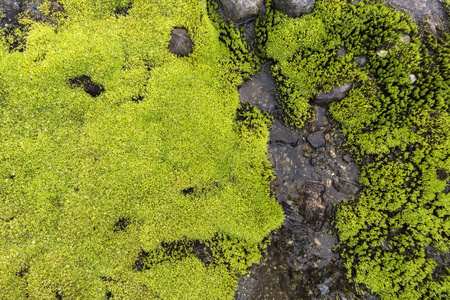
(311, 180)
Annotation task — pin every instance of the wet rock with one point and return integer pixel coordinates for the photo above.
(181, 43)
(311, 204)
(342, 52)
(316, 139)
(338, 93)
(241, 10)
(345, 187)
(406, 38)
(295, 8)
(361, 61)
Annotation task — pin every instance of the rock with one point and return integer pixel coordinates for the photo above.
(311, 203)
(239, 11)
(313, 162)
(181, 43)
(347, 158)
(342, 52)
(345, 187)
(361, 61)
(412, 78)
(295, 8)
(338, 93)
(332, 154)
(327, 137)
(316, 139)
(406, 38)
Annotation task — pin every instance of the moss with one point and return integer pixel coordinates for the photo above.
(173, 166)
(396, 129)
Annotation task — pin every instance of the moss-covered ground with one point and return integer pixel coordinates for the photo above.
(393, 234)
(156, 186)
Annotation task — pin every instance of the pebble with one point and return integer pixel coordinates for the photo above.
(332, 154)
(313, 162)
(327, 136)
(307, 155)
(406, 38)
(317, 242)
(412, 78)
(347, 158)
(329, 182)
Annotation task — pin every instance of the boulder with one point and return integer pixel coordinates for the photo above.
(295, 8)
(338, 93)
(311, 204)
(181, 43)
(316, 139)
(240, 11)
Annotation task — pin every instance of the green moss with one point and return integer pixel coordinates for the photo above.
(90, 183)
(397, 130)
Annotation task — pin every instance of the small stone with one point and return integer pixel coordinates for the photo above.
(323, 289)
(307, 148)
(345, 187)
(313, 162)
(382, 53)
(328, 182)
(342, 52)
(332, 154)
(295, 8)
(327, 136)
(406, 38)
(307, 155)
(361, 61)
(337, 93)
(316, 139)
(412, 78)
(347, 158)
(241, 10)
(181, 43)
(317, 242)
(343, 167)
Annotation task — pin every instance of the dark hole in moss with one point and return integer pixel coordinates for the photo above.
(188, 191)
(122, 11)
(23, 271)
(109, 295)
(121, 224)
(104, 278)
(441, 175)
(59, 295)
(76, 189)
(137, 98)
(88, 85)
(12, 176)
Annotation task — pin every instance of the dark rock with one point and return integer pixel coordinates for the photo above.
(181, 43)
(342, 52)
(338, 93)
(345, 187)
(313, 162)
(241, 10)
(295, 8)
(361, 61)
(311, 204)
(347, 158)
(316, 139)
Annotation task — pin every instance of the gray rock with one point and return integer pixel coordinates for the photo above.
(295, 8)
(181, 43)
(345, 187)
(338, 93)
(241, 10)
(412, 78)
(347, 158)
(361, 61)
(406, 38)
(316, 139)
(342, 52)
(311, 204)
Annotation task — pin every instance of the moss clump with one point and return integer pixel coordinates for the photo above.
(91, 182)
(398, 129)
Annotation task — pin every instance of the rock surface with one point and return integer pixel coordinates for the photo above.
(240, 11)
(181, 43)
(338, 93)
(345, 187)
(295, 8)
(361, 61)
(311, 203)
(316, 139)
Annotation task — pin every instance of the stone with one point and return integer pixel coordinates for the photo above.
(311, 204)
(342, 52)
(316, 139)
(240, 11)
(406, 38)
(181, 43)
(382, 53)
(345, 187)
(332, 154)
(412, 78)
(338, 93)
(295, 8)
(361, 61)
